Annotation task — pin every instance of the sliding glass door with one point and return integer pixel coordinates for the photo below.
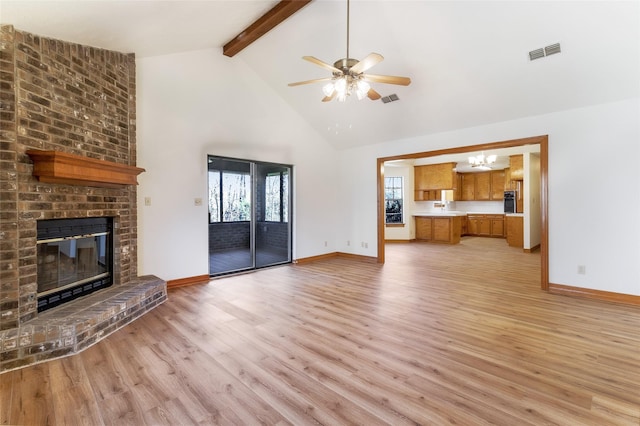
(249, 215)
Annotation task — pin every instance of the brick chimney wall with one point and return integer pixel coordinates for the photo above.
(65, 97)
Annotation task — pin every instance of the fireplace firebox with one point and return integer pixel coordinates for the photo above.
(74, 258)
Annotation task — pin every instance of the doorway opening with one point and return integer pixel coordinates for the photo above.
(544, 228)
(250, 211)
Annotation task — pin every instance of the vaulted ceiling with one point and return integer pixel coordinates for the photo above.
(468, 60)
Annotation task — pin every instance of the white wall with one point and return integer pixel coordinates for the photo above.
(532, 216)
(405, 232)
(592, 152)
(198, 103)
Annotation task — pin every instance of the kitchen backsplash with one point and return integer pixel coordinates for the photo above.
(465, 206)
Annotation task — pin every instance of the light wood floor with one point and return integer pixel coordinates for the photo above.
(438, 335)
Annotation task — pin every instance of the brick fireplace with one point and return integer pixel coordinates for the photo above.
(78, 100)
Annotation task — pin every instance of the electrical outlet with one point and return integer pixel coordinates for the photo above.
(147, 201)
(325, 243)
(197, 201)
(348, 243)
(582, 270)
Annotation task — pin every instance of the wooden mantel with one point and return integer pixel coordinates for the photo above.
(71, 169)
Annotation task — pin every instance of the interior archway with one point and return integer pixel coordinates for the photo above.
(544, 229)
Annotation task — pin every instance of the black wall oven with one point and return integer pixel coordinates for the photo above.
(509, 201)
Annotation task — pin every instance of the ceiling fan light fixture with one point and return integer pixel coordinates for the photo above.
(342, 88)
(328, 89)
(348, 76)
(362, 89)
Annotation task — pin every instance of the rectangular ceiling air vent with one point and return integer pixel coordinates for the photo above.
(544, 51)
(551, 49)
(390, 98)
(536, 54)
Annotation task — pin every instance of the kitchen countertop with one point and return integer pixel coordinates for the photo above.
(441, 213)
(485, 213)
(459, 213)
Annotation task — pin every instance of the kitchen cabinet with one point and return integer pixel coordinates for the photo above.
(468, 184)
(483, 186)
(497, 185)
(509, 185)
(515, 230)
(486, 225)
(497, 226)
(432, 195)
(424, 228)
(519, 196)
(516, 167)
(440, 229)
(433, 177)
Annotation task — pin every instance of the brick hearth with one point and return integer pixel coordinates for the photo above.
(60, 96)
(76, 325)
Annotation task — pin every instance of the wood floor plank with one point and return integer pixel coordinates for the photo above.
(6, 391)
(32, 399)
(73, 399)
(458, 334)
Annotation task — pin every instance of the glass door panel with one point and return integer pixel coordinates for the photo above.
(273, 211)
(230, 216)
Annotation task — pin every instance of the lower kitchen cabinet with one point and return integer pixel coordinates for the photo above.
(497, 226)
(441, 229)
(485, 225)
(515, 231)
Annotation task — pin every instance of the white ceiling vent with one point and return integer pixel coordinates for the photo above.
(536, 54)
(390, 98)
(546, 51)
(551, 49)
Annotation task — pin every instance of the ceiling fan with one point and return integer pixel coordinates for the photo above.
(349, 77)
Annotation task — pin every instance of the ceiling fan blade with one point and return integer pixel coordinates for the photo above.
(373, 95)
(316, 80)
(330, 97)
(388, 79)
(322, 64)
(370, 60)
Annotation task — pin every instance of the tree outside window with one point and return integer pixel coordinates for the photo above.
(393, 199)
(277, 197)
(229, 196)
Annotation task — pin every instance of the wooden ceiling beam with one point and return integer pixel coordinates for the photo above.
(262, 25)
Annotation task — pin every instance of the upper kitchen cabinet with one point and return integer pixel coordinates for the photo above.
(483, 186)
(468, 185)
(433, 177)
(507, 179)
(516, 167)
(497, 184)
(431, 195)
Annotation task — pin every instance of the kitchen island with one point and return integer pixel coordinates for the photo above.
(448, 226)
(439, 227)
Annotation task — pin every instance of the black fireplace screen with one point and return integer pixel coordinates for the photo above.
(74, 259)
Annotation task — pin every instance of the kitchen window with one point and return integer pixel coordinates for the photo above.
(393, 200)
